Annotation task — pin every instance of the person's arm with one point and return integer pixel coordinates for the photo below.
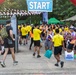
(74, 45)
(63, 44)
(52, 42)
(11, 35)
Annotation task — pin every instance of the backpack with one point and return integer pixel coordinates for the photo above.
(4, 33)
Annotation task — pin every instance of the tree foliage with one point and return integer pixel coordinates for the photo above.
(63, 8)
(14, 4)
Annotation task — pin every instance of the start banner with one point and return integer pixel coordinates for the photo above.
(40, 5)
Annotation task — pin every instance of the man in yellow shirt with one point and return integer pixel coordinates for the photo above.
(58, 44)
(36, 38)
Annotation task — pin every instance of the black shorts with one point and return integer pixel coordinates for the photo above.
(70, 46)
(24, 37)
(7, 45)
(58, 50)
(37, 43)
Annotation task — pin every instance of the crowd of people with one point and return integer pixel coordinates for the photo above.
(59, 37)
(55, 36)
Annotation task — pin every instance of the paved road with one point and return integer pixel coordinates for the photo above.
(29, 65)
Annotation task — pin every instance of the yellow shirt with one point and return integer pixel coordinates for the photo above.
(36, 33)
(24, 31)
(66, 29)
(19, 26)
(54, 31)
(60, 30)
(57, 39)
(28, 28)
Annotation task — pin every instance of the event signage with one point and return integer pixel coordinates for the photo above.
(69, 55)
(40, 5)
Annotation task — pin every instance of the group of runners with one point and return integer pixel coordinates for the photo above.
(55, 36)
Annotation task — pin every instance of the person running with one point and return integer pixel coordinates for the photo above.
(9, 44)
(58, 41)
(36, 38)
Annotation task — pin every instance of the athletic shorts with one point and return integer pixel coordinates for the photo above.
(24, 37)
(70, 46)
(58, 50)
(37, 43)
(7, 45)
(48, 44)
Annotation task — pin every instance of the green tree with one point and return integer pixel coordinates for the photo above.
(64, 7)
(61, 8)
(14, 4)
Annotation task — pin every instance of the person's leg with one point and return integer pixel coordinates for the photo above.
(4, 57)
(35, 49)
(27, 39)
(5, 54)
(31, 43)
(38, 52)
(50, 45)
(38, 49)
(57, 54)
(0, 52)
(13, 54)
(46, 45)
(24, 41)
(57, 57)
(20, 40)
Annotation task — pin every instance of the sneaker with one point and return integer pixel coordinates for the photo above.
(56, 65)
(15, 62)
(38, 56)
(33, 54)
(62, 64)
(3, 64)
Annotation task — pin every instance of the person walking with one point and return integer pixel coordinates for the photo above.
(36, 38)
(9, 44)
(31, 35)
(24, 32)
(58, 42)
(48, 41)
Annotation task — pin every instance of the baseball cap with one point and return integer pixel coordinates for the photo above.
(8, 21)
